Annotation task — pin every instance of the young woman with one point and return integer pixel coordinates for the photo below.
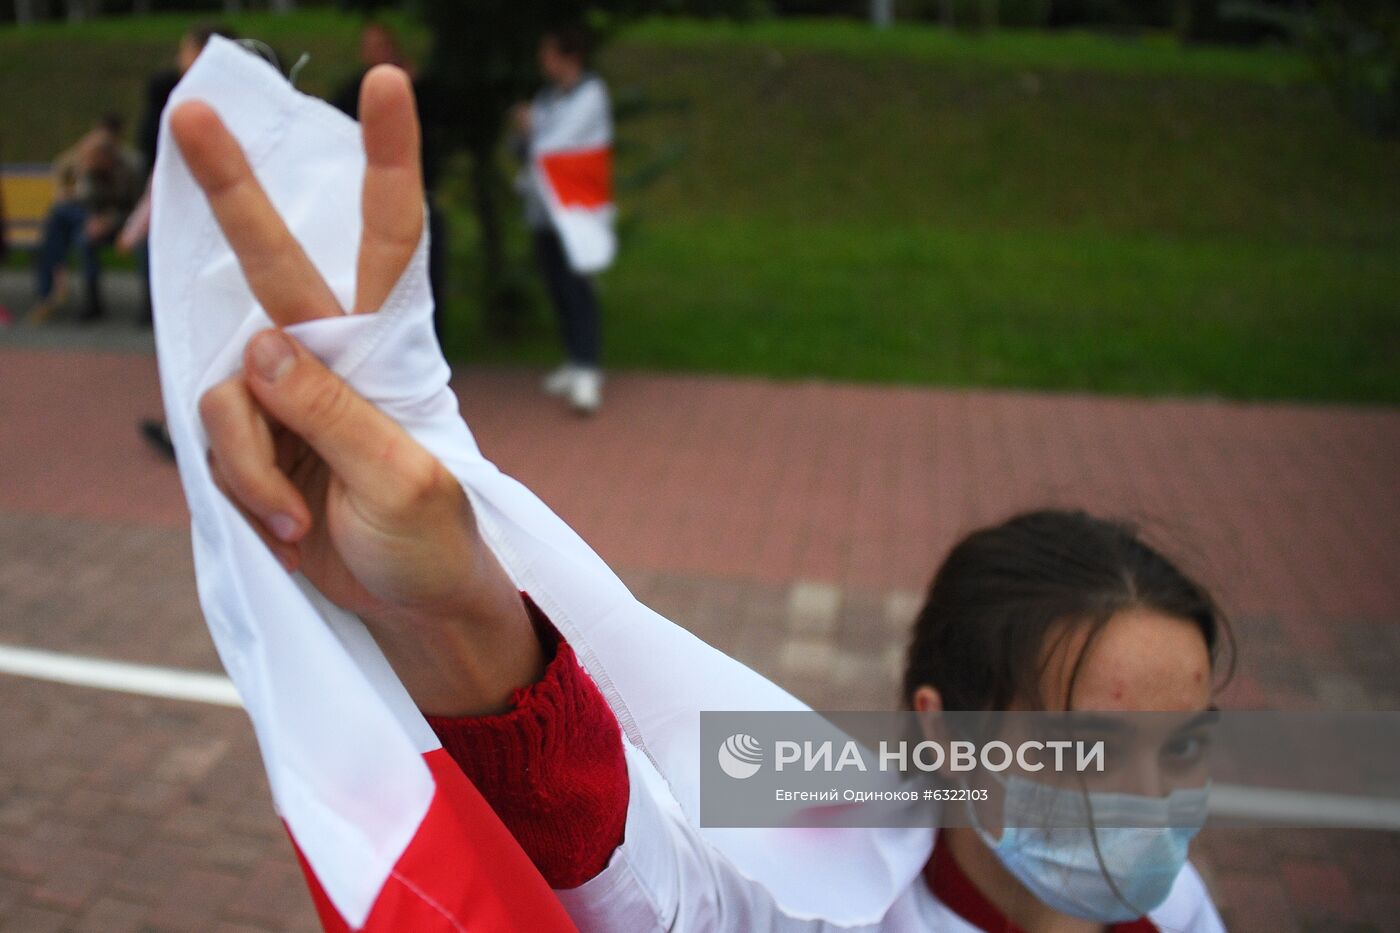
(1048, 611)
(564, 139)
(1062, 611)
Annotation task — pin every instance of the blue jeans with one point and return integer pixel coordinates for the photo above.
(64, 227)
(573, 299)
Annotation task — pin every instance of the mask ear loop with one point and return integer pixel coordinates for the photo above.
(295, 71)
(262, 50)
(266, 53)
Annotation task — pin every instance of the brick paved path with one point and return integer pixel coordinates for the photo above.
(791, 524)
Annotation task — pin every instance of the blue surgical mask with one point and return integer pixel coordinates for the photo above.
(1048, 846)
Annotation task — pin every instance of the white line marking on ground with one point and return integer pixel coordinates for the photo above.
(1297, 809)
(1231, 801)
(142, 679)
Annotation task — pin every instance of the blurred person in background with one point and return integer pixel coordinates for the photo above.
(160, 85)
(563, 137)
(97, 182)
(379, 45)
(133, 235)
(138, 226)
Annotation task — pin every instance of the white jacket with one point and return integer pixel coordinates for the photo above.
(665, 876)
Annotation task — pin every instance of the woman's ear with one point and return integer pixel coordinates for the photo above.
(927, 699)
(928, 706)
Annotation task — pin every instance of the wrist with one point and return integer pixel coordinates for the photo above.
(434, 660)
(465, 664)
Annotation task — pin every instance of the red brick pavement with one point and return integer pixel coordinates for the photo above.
(791, 525)
(1292, 512)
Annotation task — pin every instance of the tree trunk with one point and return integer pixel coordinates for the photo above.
(947, 14)
(496, 305)
(882, 13)
(24, 12)
(991, 14)
(1183, 19)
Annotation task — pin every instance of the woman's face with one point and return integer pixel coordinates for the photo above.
(1104, 844)
(1141, 660)
(187, 52)
(556, 66)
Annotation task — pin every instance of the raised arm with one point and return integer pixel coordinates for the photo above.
(336, 488)
(341, 492)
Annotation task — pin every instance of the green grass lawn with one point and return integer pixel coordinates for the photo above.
(1051, 211)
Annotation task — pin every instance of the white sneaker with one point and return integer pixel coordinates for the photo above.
(586, 393)
(561, 381)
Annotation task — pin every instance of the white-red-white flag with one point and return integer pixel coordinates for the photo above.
(391, 834)
(571, 165)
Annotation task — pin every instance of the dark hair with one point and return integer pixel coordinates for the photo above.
(201, 33)
(980, 639)
(113, 123)
(572, 39)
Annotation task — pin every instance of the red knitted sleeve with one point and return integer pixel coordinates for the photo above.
(551, 767)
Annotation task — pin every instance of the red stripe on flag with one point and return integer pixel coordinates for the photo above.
(462, 871)
(580, 178)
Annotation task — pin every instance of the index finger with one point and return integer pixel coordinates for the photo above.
(278, 271)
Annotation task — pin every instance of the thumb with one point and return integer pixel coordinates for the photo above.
(364, 447)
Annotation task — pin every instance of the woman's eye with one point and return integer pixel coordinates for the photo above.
(1184, 749)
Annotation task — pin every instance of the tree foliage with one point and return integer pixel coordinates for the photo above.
(1355, 48)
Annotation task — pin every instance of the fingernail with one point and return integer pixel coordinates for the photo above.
(272, 355)
(282, 525)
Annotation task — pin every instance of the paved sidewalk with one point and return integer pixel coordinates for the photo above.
(793, 525)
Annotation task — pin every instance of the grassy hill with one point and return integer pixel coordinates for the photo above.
(1055, 211)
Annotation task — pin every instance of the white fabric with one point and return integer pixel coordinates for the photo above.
(667, 877)
(341, 741)
(569, 121)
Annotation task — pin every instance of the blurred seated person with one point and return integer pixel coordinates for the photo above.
(97, 182)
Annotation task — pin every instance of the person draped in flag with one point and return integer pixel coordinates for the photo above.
(1050, 610)
(564, 137)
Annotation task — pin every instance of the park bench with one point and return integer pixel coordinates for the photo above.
(26, 192)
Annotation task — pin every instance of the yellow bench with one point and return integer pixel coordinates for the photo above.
(26, 194)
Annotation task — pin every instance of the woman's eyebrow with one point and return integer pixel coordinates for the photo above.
(1096, 722)
(1206, 717)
